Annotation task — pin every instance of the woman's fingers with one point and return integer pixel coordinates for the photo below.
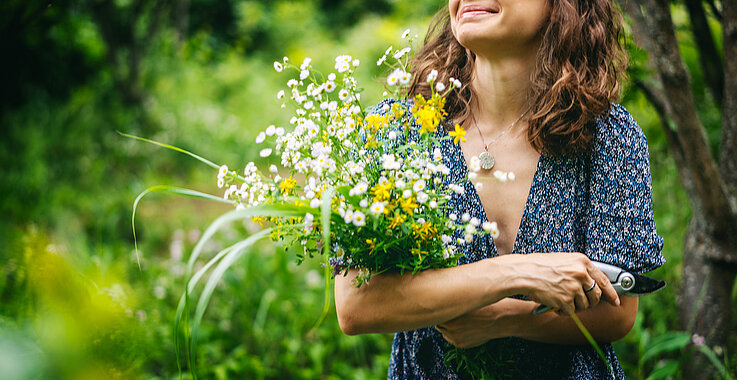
(604, 285)
(593, 295)
(581, 300)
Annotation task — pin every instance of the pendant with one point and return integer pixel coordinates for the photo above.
(487, 160)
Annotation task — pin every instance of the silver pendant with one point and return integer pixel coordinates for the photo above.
(487, 160)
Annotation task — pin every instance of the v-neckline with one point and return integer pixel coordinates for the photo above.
(477, 198)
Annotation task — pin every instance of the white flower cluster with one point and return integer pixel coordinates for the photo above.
(252, 191)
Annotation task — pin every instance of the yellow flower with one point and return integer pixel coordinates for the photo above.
(259, 220)
(397, 111)
(425, 231)
(459, 134)
(418, 252)
(372, 245)
(381, 192)
(287, 185)
(389, 208)
(375, 122)
(428, 113)
(408, 205)
(428, 118)
(398, 219)
(371, 142)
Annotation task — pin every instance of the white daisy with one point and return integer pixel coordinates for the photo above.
(359, 219)
(330, 86)
(419, 186)
(377, 208)
(393, 78)
(222, 171)
(405, 78)
(348, 217)
(402, 52)
(422, 197)
(270, 130)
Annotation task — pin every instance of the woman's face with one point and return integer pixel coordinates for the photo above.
(484, 26)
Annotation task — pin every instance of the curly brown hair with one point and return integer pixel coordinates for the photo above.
(579, 66)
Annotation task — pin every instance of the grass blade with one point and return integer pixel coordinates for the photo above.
(172, 190)
(235, 253)
(709, 353)
(591, 340)
(172, 147)
(325, 212)
(224, 260)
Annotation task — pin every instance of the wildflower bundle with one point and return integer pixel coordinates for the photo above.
(383, 168)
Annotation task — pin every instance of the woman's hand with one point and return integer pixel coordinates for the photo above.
(474, 328)
(566, 281)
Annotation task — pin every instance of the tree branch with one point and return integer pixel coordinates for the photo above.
(655, 31)
(717, 13)
(709, 57)
(656, 97)
(728, 159)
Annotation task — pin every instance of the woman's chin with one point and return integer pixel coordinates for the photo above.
(476, 41)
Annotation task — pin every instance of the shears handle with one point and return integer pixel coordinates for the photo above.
(621, 280)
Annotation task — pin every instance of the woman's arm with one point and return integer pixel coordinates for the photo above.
(392, 302)
(511, 317)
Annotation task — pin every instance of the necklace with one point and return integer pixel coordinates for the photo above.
(487, 160)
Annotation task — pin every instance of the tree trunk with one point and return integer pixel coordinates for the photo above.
(705, 304)
(710, 245)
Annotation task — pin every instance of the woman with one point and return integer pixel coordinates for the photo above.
(539, 78)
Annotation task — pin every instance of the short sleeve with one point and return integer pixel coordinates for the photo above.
(621, 227)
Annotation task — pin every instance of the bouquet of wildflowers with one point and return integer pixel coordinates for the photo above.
(365, 188)
(383, 170)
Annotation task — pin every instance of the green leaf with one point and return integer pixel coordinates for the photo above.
(325, 212)
(172, 190)
(669, 369)
(224, 259)
(670, 341)
(591, 340)
(712, 356)
(172, 147)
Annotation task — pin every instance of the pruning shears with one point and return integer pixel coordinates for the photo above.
(624, 282)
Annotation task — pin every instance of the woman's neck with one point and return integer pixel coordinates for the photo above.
(502, 85)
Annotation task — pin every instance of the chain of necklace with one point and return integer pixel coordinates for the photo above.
(487, 160)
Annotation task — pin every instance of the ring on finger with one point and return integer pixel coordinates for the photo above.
(591, 288)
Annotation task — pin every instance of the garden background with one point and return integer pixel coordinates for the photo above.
(198, 74)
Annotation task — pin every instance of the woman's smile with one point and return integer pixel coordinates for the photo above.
(469, 11)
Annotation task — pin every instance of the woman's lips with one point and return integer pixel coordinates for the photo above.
(472, 11)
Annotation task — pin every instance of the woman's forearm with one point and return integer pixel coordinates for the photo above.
(393, 302)
(605, 322)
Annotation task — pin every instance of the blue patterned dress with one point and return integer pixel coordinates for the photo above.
(598, 204)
